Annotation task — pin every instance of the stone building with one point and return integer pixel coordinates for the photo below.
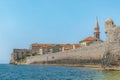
(57, 48)
(90, 40)
(21, 53)
(87, 41)
(42, 48)
(52, 48)
(66, 47)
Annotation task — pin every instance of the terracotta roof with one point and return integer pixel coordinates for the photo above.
(88, 39)
(65, 45)
(52, 45)
(43, 45)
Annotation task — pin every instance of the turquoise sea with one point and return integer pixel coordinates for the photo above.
(36, 72)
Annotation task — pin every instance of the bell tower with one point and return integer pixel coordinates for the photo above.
(97, 30)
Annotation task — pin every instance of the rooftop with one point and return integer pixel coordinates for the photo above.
(88, 39)
(52, 45)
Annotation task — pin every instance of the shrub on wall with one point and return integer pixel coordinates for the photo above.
(35, 54)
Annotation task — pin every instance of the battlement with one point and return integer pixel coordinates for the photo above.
(109, 24)
(112, 31)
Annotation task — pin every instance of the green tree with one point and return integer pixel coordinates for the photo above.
(24, 56)
(35, 54)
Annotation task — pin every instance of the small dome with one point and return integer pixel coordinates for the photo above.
(109, 20)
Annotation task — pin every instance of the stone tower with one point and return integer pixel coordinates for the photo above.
(109, 24)
(109, 30)
(97, 30)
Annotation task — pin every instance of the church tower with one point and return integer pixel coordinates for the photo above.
(97, 30)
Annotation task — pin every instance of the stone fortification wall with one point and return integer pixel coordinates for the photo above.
(112, 54)
(111, 58)
(113, 35)
(89, 54)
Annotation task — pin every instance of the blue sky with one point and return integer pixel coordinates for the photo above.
(23, 22)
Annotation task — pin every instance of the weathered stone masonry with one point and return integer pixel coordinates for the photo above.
(86, 55)
(112, 54)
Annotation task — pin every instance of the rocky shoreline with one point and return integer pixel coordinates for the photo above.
(90, 66)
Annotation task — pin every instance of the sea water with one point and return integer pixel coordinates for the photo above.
(37, 72)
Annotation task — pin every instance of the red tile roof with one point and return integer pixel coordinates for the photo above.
(43, 45)
(52, 45)
(88, 39)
